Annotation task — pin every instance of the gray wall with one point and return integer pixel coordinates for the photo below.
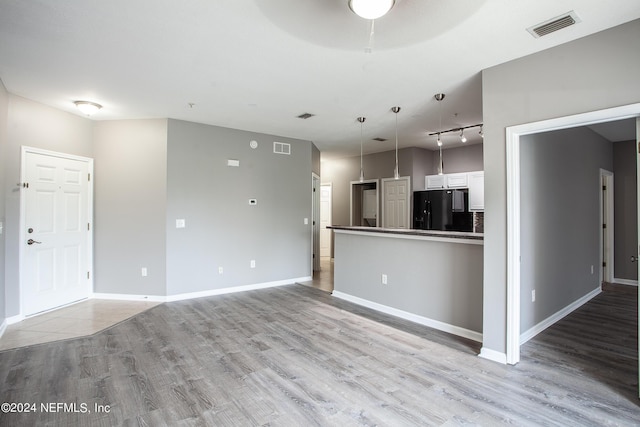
(222, 229)
(424, 277)
(625, 210)
(460, 159)
(592, 73)
(4, 105)
(34, 125)
(130, 204)
(560, 219)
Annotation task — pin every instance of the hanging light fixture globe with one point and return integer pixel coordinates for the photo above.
(371, 9)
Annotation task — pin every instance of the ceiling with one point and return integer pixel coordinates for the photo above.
(256, 64)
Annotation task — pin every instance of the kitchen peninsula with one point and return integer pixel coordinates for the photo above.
(430, 277)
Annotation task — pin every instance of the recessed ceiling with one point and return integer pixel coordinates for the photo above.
(257, 65)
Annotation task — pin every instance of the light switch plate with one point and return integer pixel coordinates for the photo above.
(180, 223)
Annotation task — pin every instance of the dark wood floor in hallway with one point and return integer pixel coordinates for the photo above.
(295, 356)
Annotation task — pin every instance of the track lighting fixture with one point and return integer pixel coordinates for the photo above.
(463, 138)
(481, 133)
(439, 141)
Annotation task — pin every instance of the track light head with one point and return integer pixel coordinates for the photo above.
(463, 138)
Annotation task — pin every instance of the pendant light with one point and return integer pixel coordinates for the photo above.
(396, 173)
(361, 120)
(439, 97)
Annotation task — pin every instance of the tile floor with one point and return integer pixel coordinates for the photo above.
(80, 319)
(91, 316)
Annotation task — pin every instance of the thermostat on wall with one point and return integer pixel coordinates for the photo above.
(253, 144)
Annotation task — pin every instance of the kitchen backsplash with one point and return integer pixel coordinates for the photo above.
(478, 222)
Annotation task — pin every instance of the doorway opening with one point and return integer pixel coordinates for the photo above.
(513, 135)
(364, 202)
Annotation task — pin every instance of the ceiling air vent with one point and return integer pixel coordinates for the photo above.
(305, 116)
(281, 148)
(380, 139)
(554, 24)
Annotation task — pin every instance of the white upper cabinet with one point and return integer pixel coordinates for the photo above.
(456, 180)
(433, 182)
(476, 191)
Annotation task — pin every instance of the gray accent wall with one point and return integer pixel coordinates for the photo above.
(34, 125)
(222, 228)
(560, 219)
(130, 187)
(467, 158)
(592, 73)
(625, 210)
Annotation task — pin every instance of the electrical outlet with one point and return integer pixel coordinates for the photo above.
(219, 270)
(384, 279)
(253, 263)
(144, 271)
(533, 295)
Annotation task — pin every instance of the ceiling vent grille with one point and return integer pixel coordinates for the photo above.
(563, 21)
(305, 116)
(380, 139)
(281, 148)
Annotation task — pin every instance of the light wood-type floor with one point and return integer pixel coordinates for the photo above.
(296, 356)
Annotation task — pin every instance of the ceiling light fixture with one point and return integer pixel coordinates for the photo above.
(361, 120)
(396, 172)
(371, 9)
(439, 97)
(87, 108)
(463, 138)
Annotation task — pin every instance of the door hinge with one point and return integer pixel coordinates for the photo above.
(604, 188)
(88, 276)
(88, 227)
(88, 177)
(604, 263)
(604, 226)
(638, 147)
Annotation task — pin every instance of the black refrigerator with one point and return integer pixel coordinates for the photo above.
(442, 210)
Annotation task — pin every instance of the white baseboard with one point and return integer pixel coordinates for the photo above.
(234, 289)
(536, 329)
(14, 319)
(3, 327)
(199, 294)
(495, 356)
(129, 297)
(626, 282)
(435, 324)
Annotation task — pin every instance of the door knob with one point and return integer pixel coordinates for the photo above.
(31, 242)
(633, 258)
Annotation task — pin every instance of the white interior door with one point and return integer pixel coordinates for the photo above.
(325, 220)
(396, 203)
(55, 253)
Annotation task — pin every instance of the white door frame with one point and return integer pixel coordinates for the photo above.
(637, 148)
(23, 231)
(513, 134)
(315, 223)
(409, 194)
(606, 236)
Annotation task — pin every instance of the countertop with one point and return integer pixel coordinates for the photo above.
(411, 232)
